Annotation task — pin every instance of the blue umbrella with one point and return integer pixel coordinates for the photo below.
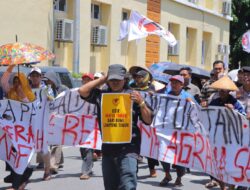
(161, 77)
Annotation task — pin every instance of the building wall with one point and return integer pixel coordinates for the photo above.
(64, 49)
(30, 20)
(126, 53)
(153, 42)
(196, 22)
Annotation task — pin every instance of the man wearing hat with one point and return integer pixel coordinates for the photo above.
(35, 77)
(142, 82)
(53, 82)
(98, 153)
(87, 77)
(142, 79)
(177, 84)
(43, 159)
(119, 162)
(224, 85)
(243, 94)
(86, 153)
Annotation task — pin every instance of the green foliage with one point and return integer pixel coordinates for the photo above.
(76, 75)
(239, 25)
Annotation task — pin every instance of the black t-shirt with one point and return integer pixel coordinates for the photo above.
(130, 149)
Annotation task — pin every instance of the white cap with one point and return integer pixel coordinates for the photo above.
(98, 75)
(36, 69)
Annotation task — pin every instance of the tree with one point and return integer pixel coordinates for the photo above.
(239, 25)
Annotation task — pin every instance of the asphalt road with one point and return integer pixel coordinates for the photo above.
(68, 177)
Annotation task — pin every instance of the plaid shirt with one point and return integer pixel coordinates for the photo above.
(206, 91)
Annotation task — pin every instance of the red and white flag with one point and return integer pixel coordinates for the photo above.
(246, 41)
(141, 26)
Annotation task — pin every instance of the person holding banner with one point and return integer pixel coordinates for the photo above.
(19, 91)
(42, 158)
(86, 153)
(224, 85)
(243, 94)
(177, 84)
(142, 82)
(97, 155)
(246, 87)
(119, 163)
(56, 159)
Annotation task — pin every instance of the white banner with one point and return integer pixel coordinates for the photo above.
(16, 136)
(41, 122)
(214, 140)
(73, 122)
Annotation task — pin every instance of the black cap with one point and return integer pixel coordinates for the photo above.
(116, 71)
(246, 69)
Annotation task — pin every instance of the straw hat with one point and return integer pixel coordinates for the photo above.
(224, 83)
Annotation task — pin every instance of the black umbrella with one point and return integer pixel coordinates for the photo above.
(173, 69)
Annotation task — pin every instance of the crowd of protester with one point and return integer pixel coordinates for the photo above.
(120, 161)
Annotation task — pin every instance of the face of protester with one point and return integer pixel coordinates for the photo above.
(203, 81)
(116, 85)
(240, 77)
(49, 82)
(85, 80)
(35, 79)
(246, 80)
(176, 87)
(218, 69)
(139, 80)
(185, 75)
(16, 82)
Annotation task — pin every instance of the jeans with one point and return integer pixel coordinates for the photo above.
(87, 160)
(119, 173)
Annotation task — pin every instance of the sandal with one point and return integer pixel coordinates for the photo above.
(46, 176)
(178, 182)
(165, 181)
(211, 184)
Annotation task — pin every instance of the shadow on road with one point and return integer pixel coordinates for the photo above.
(77, 175)
(197, 173)
(73, 157)
(156, 184)
(142, 177)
